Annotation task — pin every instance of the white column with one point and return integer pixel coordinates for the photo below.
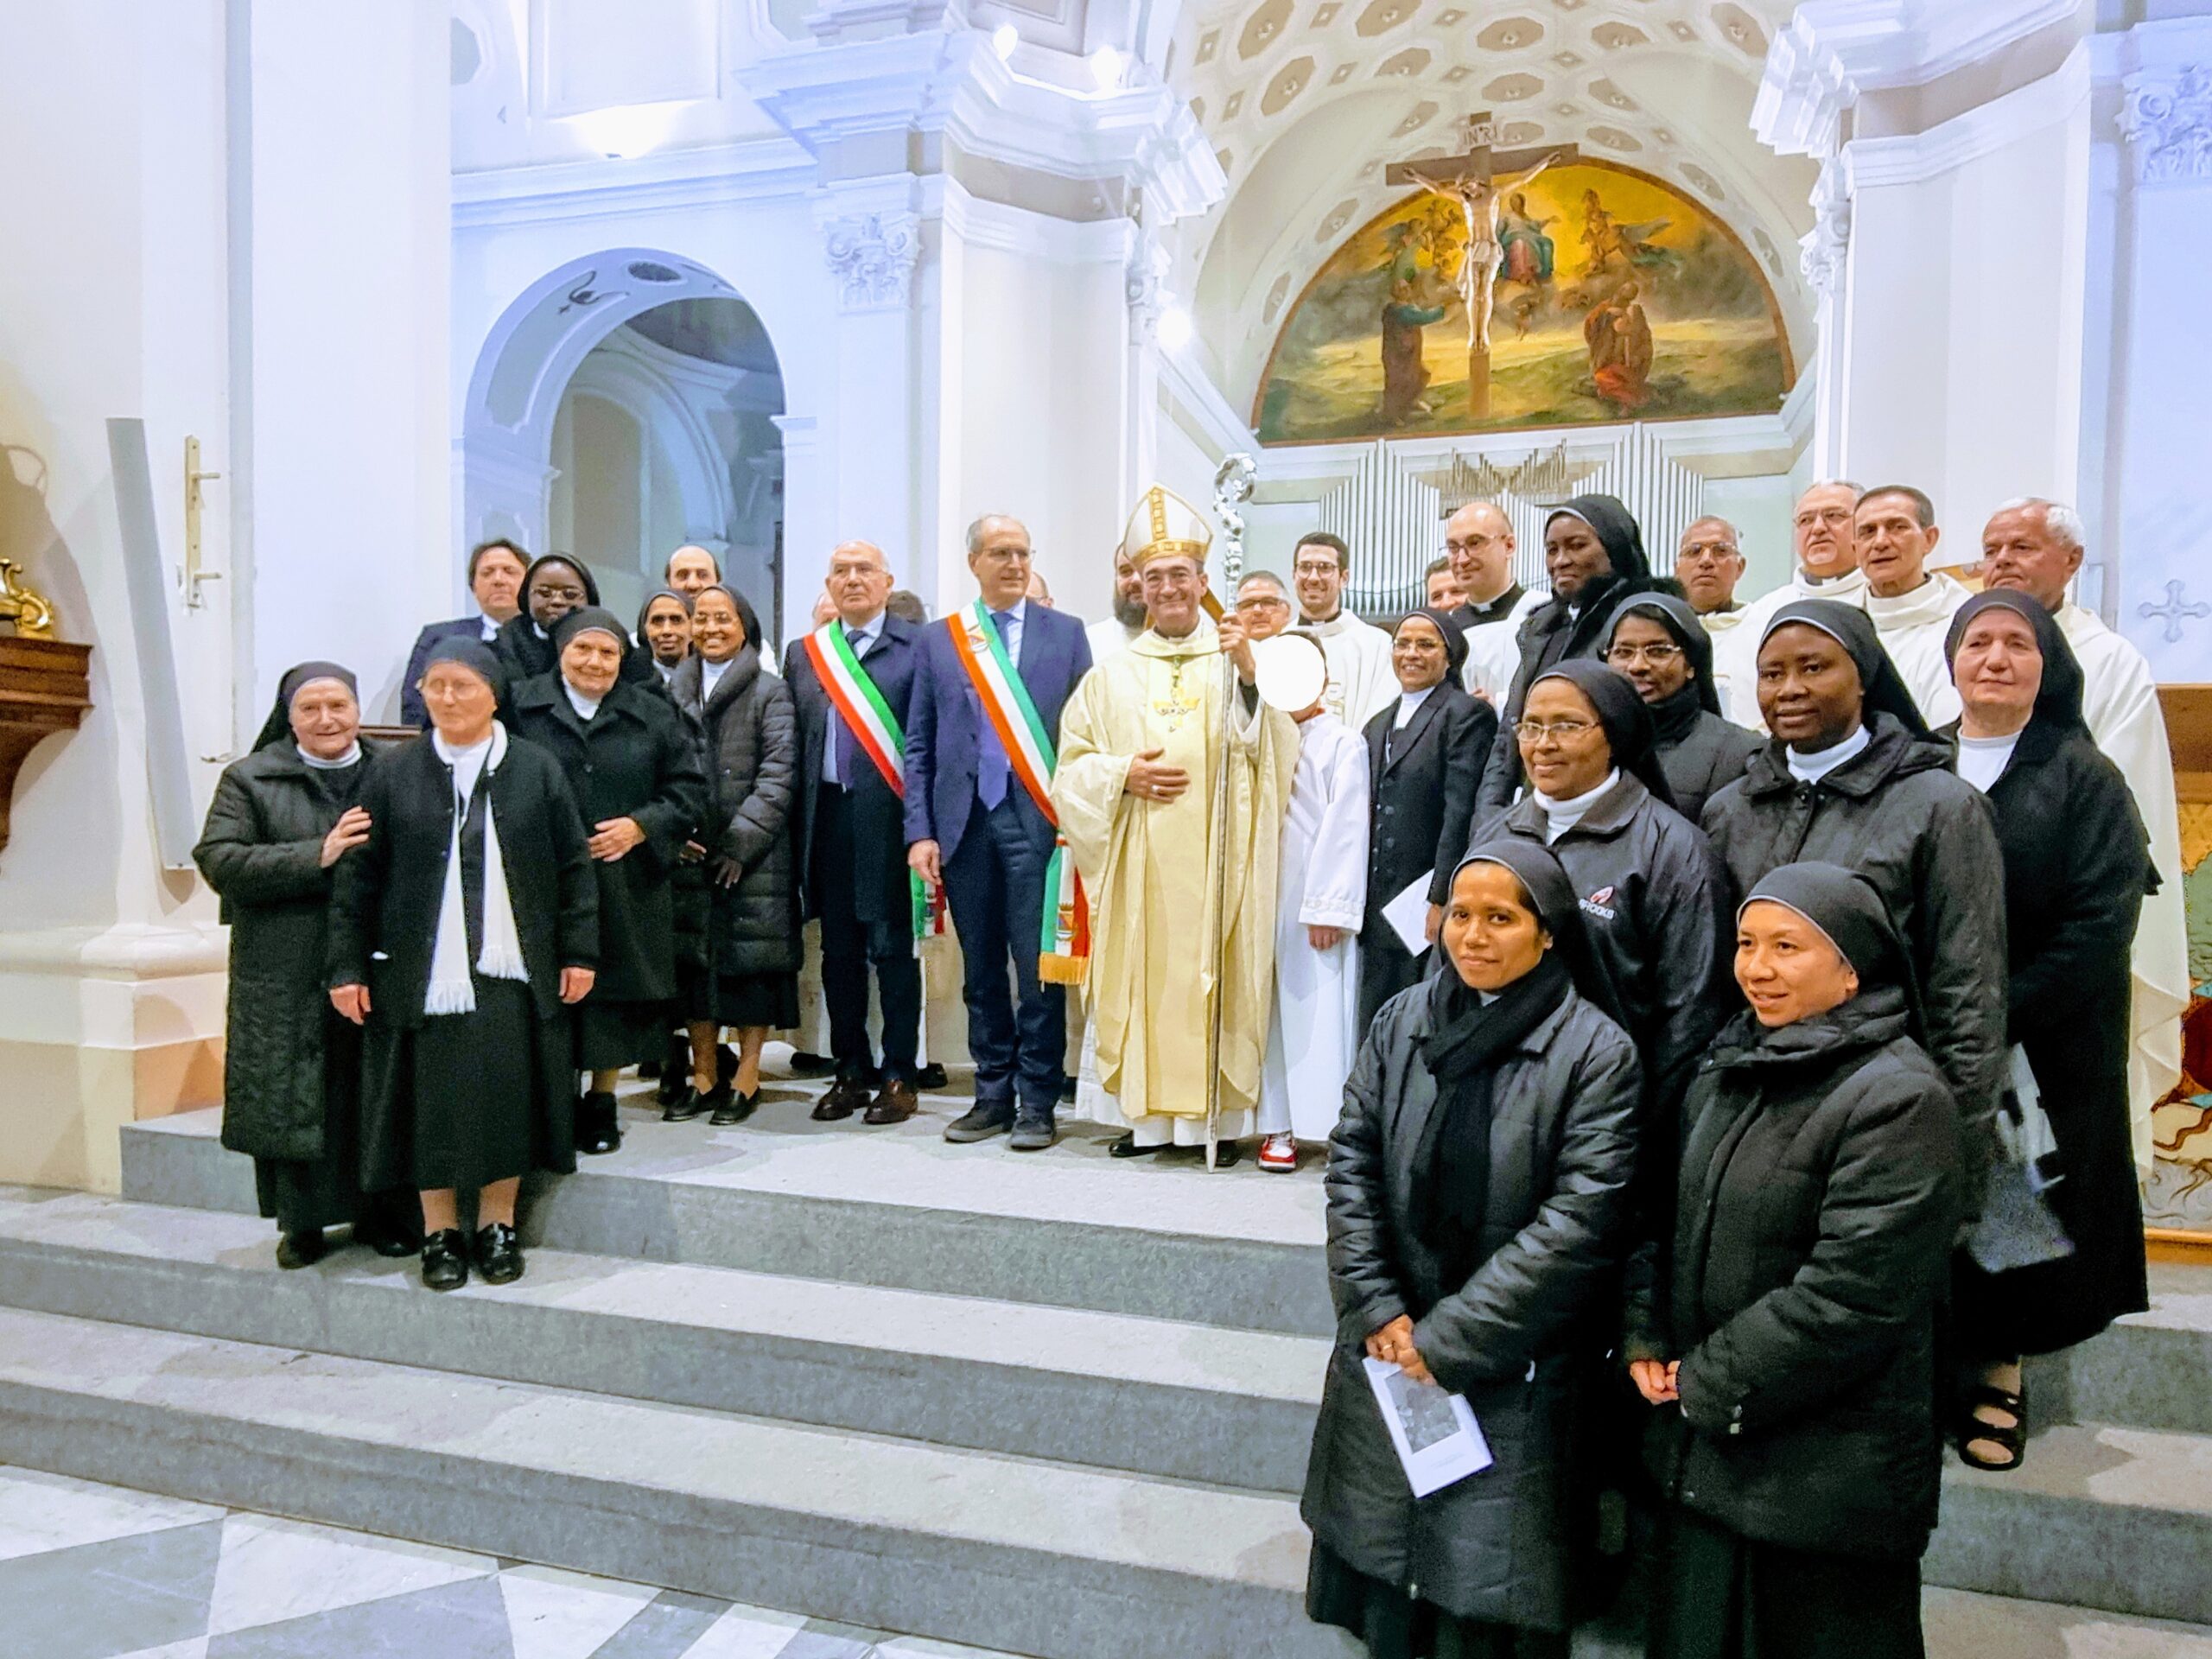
(349, 468)
(1825, 257)
(2165, 598)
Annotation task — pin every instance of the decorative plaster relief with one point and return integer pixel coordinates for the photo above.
(872, 256)
(2167, 119)
(1829, 240)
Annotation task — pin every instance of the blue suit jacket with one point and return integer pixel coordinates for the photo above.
(411, 711)
(944, 732)
(879, 888)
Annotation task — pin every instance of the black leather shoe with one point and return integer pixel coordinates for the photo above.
(805, 1064)
(932, 1076)
(499, 1253)
(840, 1101)
(685, 1107)
(979, 1123)
(734, 1107)
(599, 1127)
(1126, 1147)
(302, 1250)
(1032, 1132)
(388, 1237)
(445, 1260)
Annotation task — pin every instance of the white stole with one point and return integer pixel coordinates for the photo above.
(451, 990)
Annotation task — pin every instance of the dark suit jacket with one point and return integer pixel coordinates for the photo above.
(879, 886)
(411, 712)
(945, 737)
(1422, 801)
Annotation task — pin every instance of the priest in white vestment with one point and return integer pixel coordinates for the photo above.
(1824, 565)
(1911, 606)
(1709, 562)
(1479, 542)
(1110, 636)
(1360, 678)
(2037, 546)
(1322, 895)
(1182, 923)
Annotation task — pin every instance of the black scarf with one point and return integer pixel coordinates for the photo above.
(1451, 1166)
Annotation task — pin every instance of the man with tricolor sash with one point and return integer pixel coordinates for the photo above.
(853, 679)
(1171, 792)
(982, 749)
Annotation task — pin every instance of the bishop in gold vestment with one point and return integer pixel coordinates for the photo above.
(1143, 841)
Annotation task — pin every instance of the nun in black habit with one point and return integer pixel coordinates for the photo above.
(282, 820)
(1478, 1208)
(1658, 642)
(1785, 1324)
(461, 932)
(2077, 864)
(1853, 777)
(632, 764)
(555, 585)
(1594, 552)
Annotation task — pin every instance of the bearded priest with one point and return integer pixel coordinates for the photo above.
(1138, 795)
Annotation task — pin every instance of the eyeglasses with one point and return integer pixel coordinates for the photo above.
(1263, 602)
(1564, 731)
(1825, 516)
(1627, 656)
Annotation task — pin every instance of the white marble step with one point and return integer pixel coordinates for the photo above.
(895, 1206)
(1231, 1407)
(1003, 1552)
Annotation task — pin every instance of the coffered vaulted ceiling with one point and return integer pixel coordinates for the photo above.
(1307, 100)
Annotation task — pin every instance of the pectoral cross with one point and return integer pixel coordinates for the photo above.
(1471, 180)
(1179, 704)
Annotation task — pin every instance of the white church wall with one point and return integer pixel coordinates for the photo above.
(1761, 509)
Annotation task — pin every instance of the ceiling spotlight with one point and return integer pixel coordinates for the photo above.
(1106, 68)
(1004, 39)
(1175, 329)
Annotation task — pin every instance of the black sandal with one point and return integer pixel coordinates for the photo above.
(2011, 1438)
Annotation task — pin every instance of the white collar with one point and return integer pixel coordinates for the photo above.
(585, 707)
(1812, 767)
(1562, 816)
(351, 757)
(1409, 700)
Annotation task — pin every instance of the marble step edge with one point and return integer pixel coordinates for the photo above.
(608, 1208)
(1224, 1406)
(962, 1546)
(2101, 1516)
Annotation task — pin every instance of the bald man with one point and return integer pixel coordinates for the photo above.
(1822, 539)
(1478, 542)
(850, 829)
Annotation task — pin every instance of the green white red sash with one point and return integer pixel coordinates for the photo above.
(876, 729)
(1064, 949)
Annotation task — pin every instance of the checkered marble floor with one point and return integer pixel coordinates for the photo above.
(92, 1572)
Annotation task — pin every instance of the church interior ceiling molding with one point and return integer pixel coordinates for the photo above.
(1306, 102)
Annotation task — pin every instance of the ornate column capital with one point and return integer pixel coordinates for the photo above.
(1144, 287)
(2167, 121)
(1822, 249)
(872, 255)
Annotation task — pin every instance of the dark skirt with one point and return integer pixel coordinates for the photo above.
(304, 1194)
(2054, 1304)
(1384, 967)
(466, 1099)
(611, 1035)
(1723, 1597)
(770, 1000)
(1393, 1625)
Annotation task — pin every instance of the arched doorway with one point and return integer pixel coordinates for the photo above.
(622, 406)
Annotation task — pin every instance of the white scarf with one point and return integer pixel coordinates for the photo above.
(451, 990)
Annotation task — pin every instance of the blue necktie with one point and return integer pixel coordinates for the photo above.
(841, 740)
(991, 768)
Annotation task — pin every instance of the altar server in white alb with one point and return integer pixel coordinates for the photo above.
(1360, 679)
(2037, 546)
(1322, 895)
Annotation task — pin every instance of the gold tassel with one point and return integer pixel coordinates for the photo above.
(1055, 969)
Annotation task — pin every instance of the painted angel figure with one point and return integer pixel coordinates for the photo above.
(1478, 266)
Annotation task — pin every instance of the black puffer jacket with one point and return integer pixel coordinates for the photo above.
(1654, 906)
(1820, 1192)
(636, 758)
(1700, 753)
(1562, 1149)
(1898, 815)
(750, 732)
(262, 850)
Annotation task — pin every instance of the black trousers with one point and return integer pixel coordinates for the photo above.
(850, 947)
(994, 882)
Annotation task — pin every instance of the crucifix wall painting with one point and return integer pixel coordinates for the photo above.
(1614, 297)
